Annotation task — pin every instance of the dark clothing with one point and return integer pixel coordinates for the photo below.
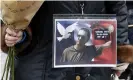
(41, 24)
(127, 73)
(130, 20)
(72, 56)
(99, 7)
(130, 12)
(130, 35)
(35, 62)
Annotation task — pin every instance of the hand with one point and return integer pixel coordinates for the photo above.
(12, 37)
(107, 44)
(120, 68)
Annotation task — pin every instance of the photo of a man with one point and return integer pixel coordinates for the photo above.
(80, 53)
(84, 43)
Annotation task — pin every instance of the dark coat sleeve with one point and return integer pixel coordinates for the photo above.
(120, 9)
(130, 13)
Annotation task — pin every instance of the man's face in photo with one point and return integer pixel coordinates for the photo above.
(82, 37)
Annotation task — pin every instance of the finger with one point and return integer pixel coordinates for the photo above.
(10, 38)
(11, 32)
(10, 45)
(10, 42)
(117, 68)
(121, 67)
(122, 64)
(19, 34)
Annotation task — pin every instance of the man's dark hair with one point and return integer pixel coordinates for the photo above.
(87, 31)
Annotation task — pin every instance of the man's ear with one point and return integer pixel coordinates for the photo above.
(125, 53)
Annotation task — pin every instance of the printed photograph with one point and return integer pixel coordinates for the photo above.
(84, 42)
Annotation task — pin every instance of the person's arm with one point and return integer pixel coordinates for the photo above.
(64, 55)
(99, 73)
(130, 13)
(99, 48)
(120, 9)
